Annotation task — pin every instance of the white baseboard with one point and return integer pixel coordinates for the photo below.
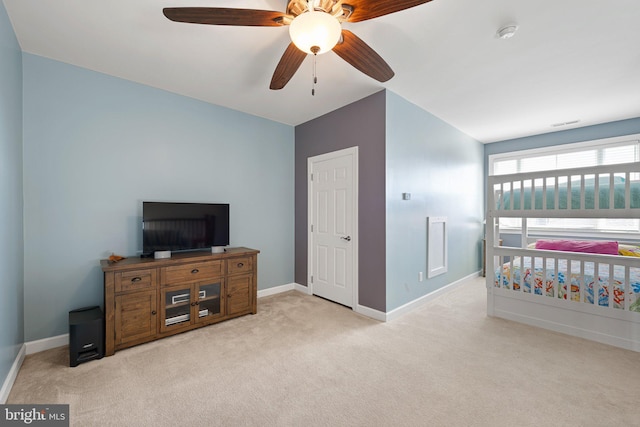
(370, 312)
(275, 290)
(385, 317)
(47, 343)
(302, 288)
(284, 288)
(27, 348)
(404, 309)
(13, 373)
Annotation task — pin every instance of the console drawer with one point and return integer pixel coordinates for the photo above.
(135, 280)
(188, 273)
(239, 265)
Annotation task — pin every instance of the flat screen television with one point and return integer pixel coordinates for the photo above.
(170, 226)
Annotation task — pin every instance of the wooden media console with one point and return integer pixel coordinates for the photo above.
(147, 299)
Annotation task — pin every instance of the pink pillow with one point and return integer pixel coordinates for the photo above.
(589, 246)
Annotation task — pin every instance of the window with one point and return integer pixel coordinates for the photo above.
(584, 154)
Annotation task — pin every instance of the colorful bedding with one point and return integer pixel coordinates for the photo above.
(599, 281)
(628, 250)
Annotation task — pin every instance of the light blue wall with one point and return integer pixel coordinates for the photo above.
(11, 249)
(442, 169)
(587, 133)
(96, 146)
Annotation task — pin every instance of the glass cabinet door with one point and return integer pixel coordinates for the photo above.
(176, 307)
(209, 300)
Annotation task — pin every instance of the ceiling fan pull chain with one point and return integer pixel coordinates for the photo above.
(315, 77)
(314, 50)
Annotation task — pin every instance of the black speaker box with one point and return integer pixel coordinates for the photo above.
(86, 335)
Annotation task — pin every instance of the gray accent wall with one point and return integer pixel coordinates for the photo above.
(360, 124)
(441, 168)
(96, 146)
(11, 200)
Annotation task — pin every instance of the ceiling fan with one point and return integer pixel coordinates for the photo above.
(314, 26)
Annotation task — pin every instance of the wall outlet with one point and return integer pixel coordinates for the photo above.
(420, 276)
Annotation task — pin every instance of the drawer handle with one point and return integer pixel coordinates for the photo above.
(194, 271)
(240, 265)
(136, 279)
(153, 312)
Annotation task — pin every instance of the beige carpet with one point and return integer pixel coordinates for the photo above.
(303, 361)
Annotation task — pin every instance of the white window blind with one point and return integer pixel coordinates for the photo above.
(572, 156)
(593, 153)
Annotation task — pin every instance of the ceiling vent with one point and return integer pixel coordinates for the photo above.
(572, 122)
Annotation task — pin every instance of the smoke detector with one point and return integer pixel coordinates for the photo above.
(507, 31)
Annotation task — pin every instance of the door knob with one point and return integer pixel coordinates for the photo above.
(348, 238)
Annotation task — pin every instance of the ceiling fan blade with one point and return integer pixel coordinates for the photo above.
(287, 67)
(367, 9)
(225, 16)
(361, 56)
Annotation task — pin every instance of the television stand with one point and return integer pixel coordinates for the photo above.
(146, 299)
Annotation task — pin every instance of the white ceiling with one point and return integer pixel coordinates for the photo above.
(570, 59)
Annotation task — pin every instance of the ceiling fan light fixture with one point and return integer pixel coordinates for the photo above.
(315, 32)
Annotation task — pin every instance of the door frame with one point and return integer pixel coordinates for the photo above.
(353, 151)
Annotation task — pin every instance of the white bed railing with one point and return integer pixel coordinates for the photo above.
(548, 190)
(564, 291)
(607, 285)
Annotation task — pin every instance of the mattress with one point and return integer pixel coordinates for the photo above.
(525, 275)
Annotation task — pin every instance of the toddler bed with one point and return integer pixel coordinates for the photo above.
(586, 288)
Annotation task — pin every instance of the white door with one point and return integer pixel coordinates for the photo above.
(333, 226)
